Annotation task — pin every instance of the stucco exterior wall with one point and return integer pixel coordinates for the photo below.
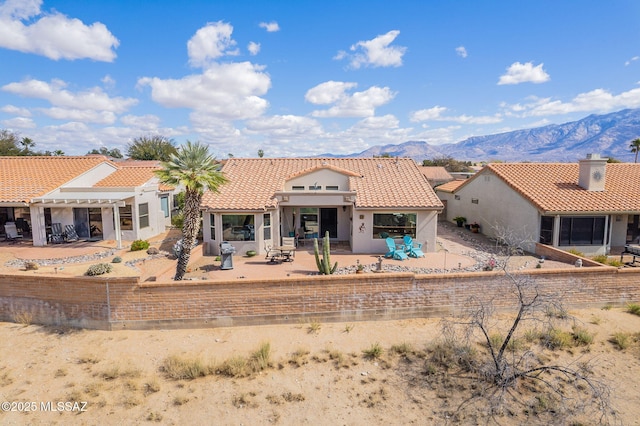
(498, 207)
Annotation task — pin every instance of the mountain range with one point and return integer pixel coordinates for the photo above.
(608, 135)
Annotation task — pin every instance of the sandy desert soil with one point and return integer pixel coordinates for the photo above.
(319, 374)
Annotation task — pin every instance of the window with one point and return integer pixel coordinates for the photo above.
(331, 187)
(212, 226)
(456, 197)
(394, 225)
(143, 211)
(474, 201)
(164, 205)
(582, 231)
(315, 187)
(126, 218)
(267, 226)
(238, 227)
(546, 229)
(309, 222)
(297, 188)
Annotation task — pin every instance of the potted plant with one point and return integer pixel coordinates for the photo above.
(251, 253)
(359, 267)
(475, 228)
(460, 220)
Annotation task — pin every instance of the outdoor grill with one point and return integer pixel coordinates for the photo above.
(226, 255)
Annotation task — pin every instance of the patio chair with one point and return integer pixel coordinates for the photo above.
(412, 248)
(395, 251)
(57, 236)
(274, 255)
(11, 232)
(70, 233)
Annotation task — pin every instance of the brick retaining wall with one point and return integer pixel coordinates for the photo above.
(115, 303)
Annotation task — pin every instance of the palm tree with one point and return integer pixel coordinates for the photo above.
(635, 148)
(195, 170)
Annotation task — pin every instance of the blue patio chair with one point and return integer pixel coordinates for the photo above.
(395, 251)
(412, 248)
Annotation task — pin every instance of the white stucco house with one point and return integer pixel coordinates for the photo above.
(359, 201)
(103, 199)
(590, 206)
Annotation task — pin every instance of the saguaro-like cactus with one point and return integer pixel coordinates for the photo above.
(324, 264)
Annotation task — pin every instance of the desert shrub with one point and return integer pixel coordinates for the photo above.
(139, 245)
(615, 263)
(374, 351)
(575, 252)
(261, 357)
(403, 349)
(621, 340)
(236, 366)
(314, 327)
(558, 339)
(601, 258)
(177, 220)
(633, 308)
(31, 266)
(178, 368)
(117, 259)
(99, 269)
(582, 336)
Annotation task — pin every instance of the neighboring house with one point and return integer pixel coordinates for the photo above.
(436, 175)
(359, 201)
(101, 198)
(591, 206)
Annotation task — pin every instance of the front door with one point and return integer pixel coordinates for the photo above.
(329, 222)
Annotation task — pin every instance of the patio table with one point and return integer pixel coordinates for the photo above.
(286, 252)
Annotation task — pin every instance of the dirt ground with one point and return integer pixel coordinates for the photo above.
(319, 374)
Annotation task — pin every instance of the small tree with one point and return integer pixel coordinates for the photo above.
(196, 171)
(634, 146)
(509, 376)
(151, 148)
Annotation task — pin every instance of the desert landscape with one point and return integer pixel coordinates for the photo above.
(336, 373)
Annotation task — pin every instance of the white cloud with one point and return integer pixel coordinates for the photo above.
(93, 99)
(14, 110)
(598, 100)
(19, 123)
(284, 127)
(53, 35)
(524, 73)
(230, 91)
(358, 104)
(376, 52)
(328, 92)
(253, 48)
(271, 27)
(146, 122)
(635, 58)
(435, 114)
(211, 42)
(461, 51)
(82, 115)
(108, 81)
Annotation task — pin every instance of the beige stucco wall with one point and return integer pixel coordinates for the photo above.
(498, 209)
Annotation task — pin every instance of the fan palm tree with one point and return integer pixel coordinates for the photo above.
(196, 171)
(635, 148)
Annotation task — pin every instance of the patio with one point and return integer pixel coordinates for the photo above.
(458, 251)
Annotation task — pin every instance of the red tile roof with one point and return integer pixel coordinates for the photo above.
(378, 182)
(450, 186)
(23, 178)
(553, 187)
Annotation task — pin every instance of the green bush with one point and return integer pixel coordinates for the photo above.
(601, 258)
(99, 269)
(139, 245)
(117, 259)
(633, 308)
(177, 220)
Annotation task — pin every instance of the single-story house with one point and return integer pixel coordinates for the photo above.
(436, 175)
(589, 206)
(103, 199)
(359, 201)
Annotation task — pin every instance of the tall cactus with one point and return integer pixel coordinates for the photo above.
(324, 264)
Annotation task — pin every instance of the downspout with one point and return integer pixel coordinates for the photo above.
(116, 219)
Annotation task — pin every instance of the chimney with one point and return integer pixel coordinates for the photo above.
(592, 172)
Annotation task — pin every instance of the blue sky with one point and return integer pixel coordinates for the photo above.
(300, 78)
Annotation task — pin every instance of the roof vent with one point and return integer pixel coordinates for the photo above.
(592, 173)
